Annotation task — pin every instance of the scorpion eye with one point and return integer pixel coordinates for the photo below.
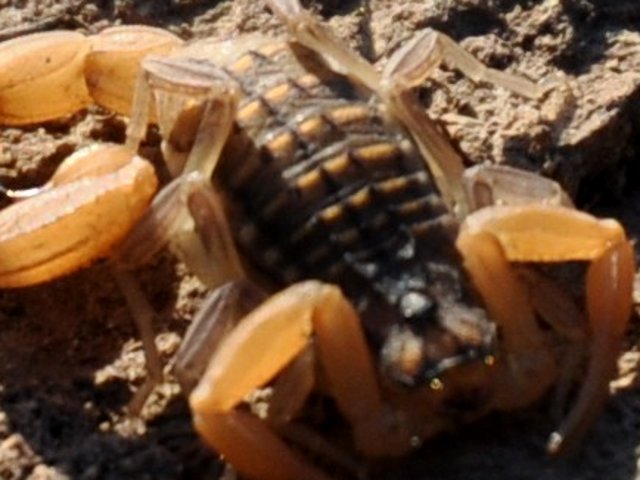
(415, 305)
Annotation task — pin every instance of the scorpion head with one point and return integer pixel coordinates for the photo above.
(423, 317)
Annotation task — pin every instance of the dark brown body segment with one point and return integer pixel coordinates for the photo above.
(323, 184)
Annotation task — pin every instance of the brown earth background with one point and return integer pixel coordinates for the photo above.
(69, 355)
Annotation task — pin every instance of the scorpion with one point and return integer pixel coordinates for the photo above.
(347, 247)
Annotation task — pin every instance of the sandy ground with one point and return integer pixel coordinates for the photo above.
(69, 356)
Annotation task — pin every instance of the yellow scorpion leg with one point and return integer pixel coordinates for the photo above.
(494, 236)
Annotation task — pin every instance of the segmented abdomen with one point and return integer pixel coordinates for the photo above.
(324, 185)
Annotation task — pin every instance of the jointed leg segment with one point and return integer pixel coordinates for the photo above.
(195, 106)
(555, 234)
(260, 347)
(406, 69)
(187, 212)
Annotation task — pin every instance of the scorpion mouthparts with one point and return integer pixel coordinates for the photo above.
(413, 361)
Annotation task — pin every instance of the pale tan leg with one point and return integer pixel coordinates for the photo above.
(209, 252)
(142, 314)
(162, 220)
(168, 219)
(487, 185)
(188, 215)
(218, 315)
(444, 162)
(494, 236)
(195, 105)
(316, 36)
(206, 102)
(262, 345)
(414, 63)
(407, 69)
